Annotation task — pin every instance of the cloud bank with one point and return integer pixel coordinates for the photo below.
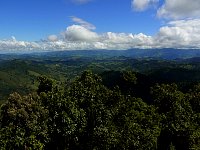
(180, 34)
(179, 9)
(170, 9)
(181, 31)
(176, 34)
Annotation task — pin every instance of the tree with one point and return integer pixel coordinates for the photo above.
(137, 123)
(177, 117)
(78, 115)
(194, 98)
(91, 97)
(23, 123)
(46, 85)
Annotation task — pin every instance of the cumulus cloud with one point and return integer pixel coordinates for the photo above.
(179, 9)
(52, 38)
(183, 31)
(79, 38)
(83, 23)
(180, 34)
(79, 33)
(125, 41)
(141, 5)
(14, 45)
(175, 34)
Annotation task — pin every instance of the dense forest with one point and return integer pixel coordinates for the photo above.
(101, 103)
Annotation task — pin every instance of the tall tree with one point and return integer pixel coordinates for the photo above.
(177, 116)
(23, 123)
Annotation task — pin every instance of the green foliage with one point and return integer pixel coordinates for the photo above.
(194, 98)
(23, 123)
(138, 124)
(91, 96)
(65, 121)
(86, 115)
(179, 126)
(129, 77)
(19, 73)
(45, 85)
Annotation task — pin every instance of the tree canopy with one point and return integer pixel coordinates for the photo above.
(88, 115)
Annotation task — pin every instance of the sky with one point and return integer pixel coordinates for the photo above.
(51, 25)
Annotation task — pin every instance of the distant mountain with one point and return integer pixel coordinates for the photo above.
(168, 53)
(132, 53)
(193, 60)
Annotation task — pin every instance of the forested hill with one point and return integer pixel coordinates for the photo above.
(94, 102)
(87, 114)
(19, 73)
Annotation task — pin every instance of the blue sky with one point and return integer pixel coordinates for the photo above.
(35, 19)
(36, 24)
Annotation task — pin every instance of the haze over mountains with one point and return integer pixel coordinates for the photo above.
(132, 53)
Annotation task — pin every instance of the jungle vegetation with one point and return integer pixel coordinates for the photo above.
(94, 104)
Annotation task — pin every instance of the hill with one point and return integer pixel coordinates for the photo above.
(20, 72)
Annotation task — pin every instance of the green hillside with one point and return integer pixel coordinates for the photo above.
(21, 74)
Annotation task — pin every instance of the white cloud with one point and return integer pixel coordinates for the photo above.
(176, 34)
(180, 34)
(83, 23)
(15, 45)
(79, 33)
(125, 41)
(184, 31)
(180, 9)
(52, 38)
(79, 38)
(170, 9)
(141, 5)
